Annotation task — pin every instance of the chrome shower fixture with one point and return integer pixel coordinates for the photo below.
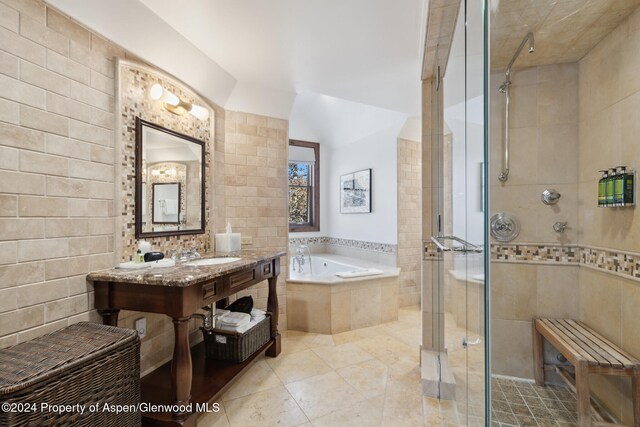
(550, 197)
(559, 227)
(504, 88)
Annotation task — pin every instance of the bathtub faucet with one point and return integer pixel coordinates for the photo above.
(299, 258)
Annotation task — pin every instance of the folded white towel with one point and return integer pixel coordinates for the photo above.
(257, 315)
(220, 312)
(234, 319)
(239, 329)
(359, 273)
(257, 312)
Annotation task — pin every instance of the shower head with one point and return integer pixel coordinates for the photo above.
(528, 38)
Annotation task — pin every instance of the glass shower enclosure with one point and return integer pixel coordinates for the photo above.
(455, 258)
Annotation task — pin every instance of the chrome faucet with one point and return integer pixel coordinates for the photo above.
(299, 258)
(188, 254)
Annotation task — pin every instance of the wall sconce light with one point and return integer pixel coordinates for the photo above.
(175, 105)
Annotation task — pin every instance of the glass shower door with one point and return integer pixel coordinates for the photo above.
(459, 196)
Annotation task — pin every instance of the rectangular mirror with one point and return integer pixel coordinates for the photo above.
(169, 182)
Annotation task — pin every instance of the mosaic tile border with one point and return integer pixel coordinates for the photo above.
(623, 264)
(535, 253)
(356, 244)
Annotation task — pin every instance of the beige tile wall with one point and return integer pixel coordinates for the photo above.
(543, 154)
(520, 292)
(256, 198)
(609, 129)
(57, 168)
(58, 212)
(409, 253)
(543, 150)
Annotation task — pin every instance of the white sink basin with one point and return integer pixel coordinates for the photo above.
(212, 261)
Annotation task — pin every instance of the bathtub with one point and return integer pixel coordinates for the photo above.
(325, 267)
(321, 302)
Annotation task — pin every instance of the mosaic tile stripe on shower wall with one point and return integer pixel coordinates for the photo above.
(536, 253)
(621, 263)
(624, 264)
(356, 244)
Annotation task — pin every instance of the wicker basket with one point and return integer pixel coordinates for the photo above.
(234, 347)
(83, 364)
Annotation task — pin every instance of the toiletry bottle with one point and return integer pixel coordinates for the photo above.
(139, 257)
(618, 186)
(601, 189)
(629, 188)
(609, 188)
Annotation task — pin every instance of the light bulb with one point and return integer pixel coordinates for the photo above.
(199, 112)
(155, 92)
(158, 93)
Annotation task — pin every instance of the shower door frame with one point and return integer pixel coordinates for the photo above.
(436, 140)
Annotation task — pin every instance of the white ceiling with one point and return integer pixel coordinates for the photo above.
(259, 56)
(365, 51)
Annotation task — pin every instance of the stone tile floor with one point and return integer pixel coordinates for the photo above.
(367, 377)
(521, 403)
(371, 377)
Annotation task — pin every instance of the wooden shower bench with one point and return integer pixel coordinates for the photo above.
(589, 353)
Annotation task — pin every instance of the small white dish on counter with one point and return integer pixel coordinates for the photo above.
(162, 263)
(212, 261)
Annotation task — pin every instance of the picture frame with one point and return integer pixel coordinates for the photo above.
(355, 192)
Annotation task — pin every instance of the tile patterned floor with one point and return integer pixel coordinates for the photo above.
(521, 403)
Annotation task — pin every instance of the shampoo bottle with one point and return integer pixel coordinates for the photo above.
(618, 186)
(601, 189)
(629, 188)
(609, 188)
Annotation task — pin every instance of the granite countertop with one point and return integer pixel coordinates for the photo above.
(182, 274)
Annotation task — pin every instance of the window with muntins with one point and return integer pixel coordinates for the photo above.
(304, 186)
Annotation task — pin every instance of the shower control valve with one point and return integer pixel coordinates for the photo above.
(559, 227)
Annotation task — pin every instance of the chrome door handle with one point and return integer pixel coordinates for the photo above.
(466, 343)
(466, 246)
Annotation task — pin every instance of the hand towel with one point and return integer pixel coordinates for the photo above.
(359, 273)
(239, 329)
(234, 319)
(257, 314)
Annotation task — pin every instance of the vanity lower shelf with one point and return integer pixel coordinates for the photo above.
(210, 379)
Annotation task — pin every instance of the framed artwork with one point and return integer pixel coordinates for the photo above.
(355, 192)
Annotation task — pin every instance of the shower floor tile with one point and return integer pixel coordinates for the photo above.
(521, 403)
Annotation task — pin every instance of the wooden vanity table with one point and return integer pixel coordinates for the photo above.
(179, 292)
